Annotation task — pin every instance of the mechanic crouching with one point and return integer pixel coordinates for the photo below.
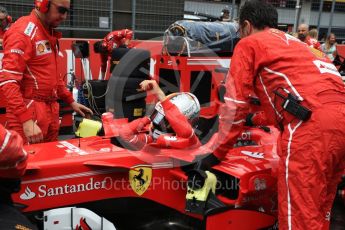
(13, 160)
(29, 78)
(113, 40)
(305, 96)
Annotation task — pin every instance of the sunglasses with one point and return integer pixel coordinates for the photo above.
(62, 9)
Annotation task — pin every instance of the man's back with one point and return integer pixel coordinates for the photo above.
(284, 62)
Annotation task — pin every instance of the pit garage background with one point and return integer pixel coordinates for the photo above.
(150, 18)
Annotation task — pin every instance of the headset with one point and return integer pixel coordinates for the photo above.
(6, 21)
(9, 19)
(42, 5)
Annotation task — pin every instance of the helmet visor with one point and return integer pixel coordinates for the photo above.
(160, 123)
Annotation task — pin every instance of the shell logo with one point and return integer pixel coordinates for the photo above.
(40, 48)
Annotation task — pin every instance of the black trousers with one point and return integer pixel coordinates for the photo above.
(10, 216)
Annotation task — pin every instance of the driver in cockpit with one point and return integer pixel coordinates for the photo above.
(169, 126)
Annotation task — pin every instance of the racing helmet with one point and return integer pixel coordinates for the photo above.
(187, 103)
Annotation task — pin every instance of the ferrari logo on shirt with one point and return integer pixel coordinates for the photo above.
(140, 178)
(43, 47)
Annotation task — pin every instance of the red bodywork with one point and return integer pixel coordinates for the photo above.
(76, 171)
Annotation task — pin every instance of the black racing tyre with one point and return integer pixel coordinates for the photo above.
(130, 109)
(130, 62)
(130, 88)
(123, 98)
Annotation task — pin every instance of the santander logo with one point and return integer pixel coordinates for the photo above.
(28, 194)
(44, 190)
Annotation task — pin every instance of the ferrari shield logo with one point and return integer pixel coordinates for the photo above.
(140, 178)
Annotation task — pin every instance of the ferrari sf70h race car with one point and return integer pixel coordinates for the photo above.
(149, 188)
(69, 184)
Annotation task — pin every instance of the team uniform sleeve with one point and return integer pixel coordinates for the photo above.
(132, 133)
(239, 87)
(13, 158)
(104, 62)
(17, 51)
(185, 136)
(128, 34)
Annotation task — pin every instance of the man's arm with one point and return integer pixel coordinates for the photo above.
(128, 37)
(239, 87)
(104, 63)
(178, 122)
(17, 52)
(185, 136)
(132, 133)
(13, 158)
(152, 87)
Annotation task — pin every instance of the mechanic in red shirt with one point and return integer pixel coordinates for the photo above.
(303, 35)
(5, 22)
(312, 144)
(29, 78)
(170, 125)
(13, 160)
(113, 40)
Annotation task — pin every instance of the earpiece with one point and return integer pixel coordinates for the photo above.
(9, 19)
(42, 5)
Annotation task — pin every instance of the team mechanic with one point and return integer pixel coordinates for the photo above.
(171, 123)
(303, 35)
(13, 160)
(113, 40)
(306, 97)
(29, 78)
(5, 22)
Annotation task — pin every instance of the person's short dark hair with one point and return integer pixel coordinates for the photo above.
(259, 13)
(3, 10)
(98, 48)
(226, 10)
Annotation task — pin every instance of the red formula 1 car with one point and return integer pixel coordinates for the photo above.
(148, 189)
